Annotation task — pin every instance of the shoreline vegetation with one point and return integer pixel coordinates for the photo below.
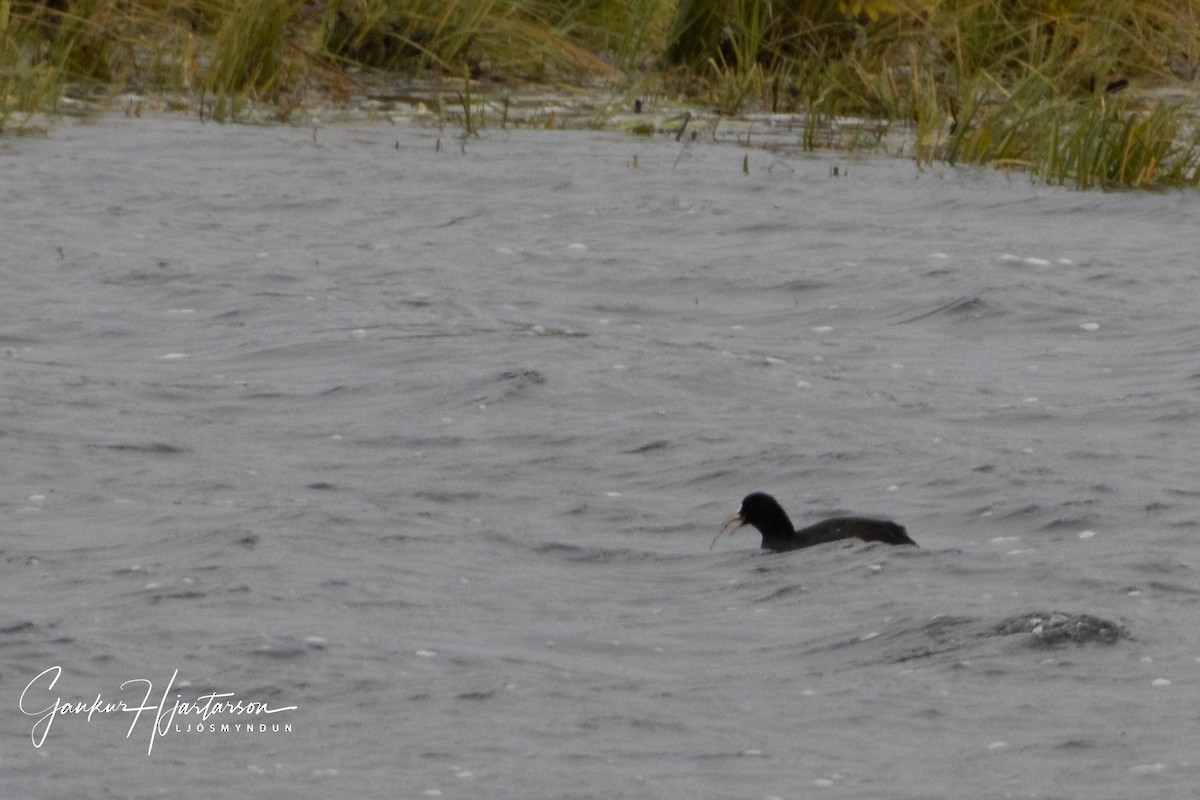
(1084, 93)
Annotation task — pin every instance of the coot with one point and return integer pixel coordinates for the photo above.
(763, 512)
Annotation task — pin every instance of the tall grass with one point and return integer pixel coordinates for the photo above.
(1095, 142)
(30, 68)
(238, 52)
(248, 54)
(1017, 83)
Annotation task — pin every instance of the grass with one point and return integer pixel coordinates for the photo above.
(1068, 90)
(1014, 83)
(1090, 144)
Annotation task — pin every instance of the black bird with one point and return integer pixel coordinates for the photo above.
(763, 512)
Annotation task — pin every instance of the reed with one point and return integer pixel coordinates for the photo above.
(247, 53)
(1016, 83)
(1099, 142)
(239, 52)
(30, 79)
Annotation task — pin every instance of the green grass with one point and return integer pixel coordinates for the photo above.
(1095, 143)
(1014, 83)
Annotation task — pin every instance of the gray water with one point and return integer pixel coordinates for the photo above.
(430, 444)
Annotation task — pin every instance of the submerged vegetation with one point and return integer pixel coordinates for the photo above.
(1080, 92)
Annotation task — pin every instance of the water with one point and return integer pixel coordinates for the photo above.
(431, 443)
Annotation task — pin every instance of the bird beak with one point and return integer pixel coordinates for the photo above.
(731, 526)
